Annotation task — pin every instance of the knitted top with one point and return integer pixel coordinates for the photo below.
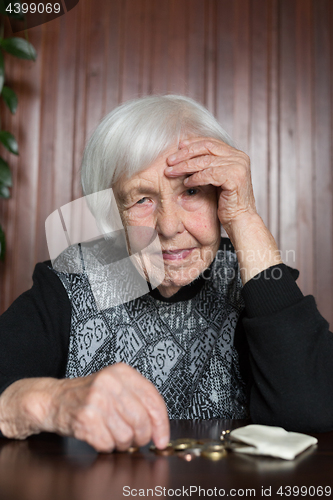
(184, 345)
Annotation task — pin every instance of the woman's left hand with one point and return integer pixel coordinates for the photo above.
(210, 161)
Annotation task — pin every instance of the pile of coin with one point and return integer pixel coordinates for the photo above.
(189, 449)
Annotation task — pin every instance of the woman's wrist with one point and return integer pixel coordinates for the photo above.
(254, 245)
(26, 407)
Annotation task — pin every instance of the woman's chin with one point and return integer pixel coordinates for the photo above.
(177, 280)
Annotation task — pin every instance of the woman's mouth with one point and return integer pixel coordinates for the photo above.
(176, 254)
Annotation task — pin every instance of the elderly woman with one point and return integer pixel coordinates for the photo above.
(226, 334)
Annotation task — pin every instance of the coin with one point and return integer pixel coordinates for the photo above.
(204, 440)
(133, 449)
(184, 440)
(183, 443)
(225, 434)
(195, 450)
(214, 446)
(187, 455)
(189, 448)
(168, 450)
(165, 452)
(213, 455)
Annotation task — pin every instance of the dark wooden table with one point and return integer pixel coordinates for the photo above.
(49, 467)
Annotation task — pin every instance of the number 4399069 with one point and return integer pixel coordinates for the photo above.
(33, 8)
(303, 491)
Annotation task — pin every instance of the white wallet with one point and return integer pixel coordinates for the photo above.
(271, 441)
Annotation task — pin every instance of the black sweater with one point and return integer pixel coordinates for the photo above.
(284, 344)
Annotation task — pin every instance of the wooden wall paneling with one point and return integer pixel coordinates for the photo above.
(90, 49)
(323, 158)
(59, 166)
(132, 55)
(264, 68)
(147, 47)
(160, 49)
(288, 124)
(25, 188)
(304, 144)
(258, 147)
(330, 318)
(96, 63)
(9, 207)
(225, 64)
(210, 55)
(273, 158)
(65, 118)
(196, 50)
(80, 53)
(46, 194)
(242, 71)
(20, 219)
(178, 47)
(113, 54)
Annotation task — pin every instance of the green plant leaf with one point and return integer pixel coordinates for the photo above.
(18, 47)
(9, 141)
(4, 192)
(2, 244)
(5, 173)
(2, 71)
(10, 98)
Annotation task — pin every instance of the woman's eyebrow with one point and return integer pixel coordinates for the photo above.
(141, 189)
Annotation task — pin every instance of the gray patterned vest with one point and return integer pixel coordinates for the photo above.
(184, 348)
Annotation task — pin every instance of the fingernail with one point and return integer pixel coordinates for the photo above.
(172, 157)
(168, 169)
(162, 442)
(186, 180)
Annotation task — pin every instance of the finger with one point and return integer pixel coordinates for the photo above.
(149, 397)
(158, 415)
(213, 176)
(123, 434)
(198, 148)
(193, 165)
(102, 442)
(136, 417)
(90, 426)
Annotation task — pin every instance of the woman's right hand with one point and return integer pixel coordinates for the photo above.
(112, 409)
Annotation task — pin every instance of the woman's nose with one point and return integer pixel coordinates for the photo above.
(169, 221)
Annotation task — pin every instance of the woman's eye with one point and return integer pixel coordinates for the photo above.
(142, 201)
(192, 191)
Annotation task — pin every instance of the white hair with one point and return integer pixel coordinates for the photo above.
(131, 138)
(136, 133)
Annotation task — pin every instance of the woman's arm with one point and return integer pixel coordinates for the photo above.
(34, 331)
(109, 409)
(291, 352)
(113, 408)
(291, 348)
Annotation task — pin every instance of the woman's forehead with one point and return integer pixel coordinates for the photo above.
(150, 178)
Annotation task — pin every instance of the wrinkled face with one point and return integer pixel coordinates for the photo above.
(185, 220)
